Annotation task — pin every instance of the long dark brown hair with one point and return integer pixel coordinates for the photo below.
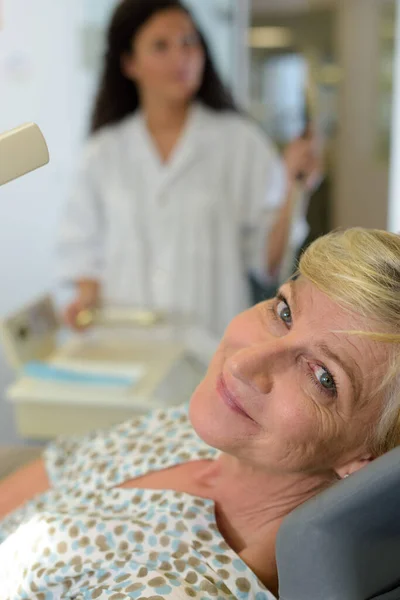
(118, 96)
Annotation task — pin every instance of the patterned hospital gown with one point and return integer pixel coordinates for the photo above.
(85, 539)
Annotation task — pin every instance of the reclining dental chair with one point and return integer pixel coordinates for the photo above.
(344, 544)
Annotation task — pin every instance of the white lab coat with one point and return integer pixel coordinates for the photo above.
(181, 235)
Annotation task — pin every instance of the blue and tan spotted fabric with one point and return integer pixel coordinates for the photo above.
(86, 539)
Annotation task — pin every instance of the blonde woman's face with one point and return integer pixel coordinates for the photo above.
(167, 59)
(288, 391)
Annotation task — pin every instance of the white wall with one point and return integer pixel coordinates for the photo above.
(39, 82)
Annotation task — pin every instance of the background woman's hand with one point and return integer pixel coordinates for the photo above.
(87, 298)
(303, 159)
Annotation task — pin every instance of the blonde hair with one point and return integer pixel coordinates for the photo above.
(360, 270)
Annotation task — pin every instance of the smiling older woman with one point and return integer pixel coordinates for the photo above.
(301, 393)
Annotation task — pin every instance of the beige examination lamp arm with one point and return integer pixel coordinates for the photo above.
(22, 150)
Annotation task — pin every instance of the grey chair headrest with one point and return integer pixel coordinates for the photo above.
(344, 544)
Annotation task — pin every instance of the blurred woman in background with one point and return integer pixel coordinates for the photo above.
(179, 196)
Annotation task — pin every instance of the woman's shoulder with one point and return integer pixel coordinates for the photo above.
(105, 139)
(239, 128)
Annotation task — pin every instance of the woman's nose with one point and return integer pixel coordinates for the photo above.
(257, 365)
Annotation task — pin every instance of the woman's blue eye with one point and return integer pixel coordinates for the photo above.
(284, 312)
(325, 379)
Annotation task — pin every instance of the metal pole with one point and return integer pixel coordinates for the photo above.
(394, 179)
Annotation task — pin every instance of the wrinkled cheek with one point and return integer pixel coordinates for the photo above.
(289, 416)
(295, 430)
(316, 440)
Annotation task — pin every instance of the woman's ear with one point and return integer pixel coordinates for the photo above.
(128, 66)
(354, 465)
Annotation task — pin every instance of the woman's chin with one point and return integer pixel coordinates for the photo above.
(213, 421)
(181, 93)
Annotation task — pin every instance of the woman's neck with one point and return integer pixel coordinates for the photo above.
(165, 123)
(251, 505)
(164, 117)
